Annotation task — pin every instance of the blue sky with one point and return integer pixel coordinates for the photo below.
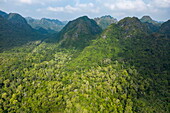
(71, 9)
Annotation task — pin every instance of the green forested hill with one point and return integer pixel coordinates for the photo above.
(78, 33)
(151, 24)
(14, 31)
(165, 28)
(125, 69)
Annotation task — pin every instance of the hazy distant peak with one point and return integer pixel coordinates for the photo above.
(107, 16)
(146, 18)
(15, 17)
(50, 25)
(29, 18)
(105, 21)
(56, 21)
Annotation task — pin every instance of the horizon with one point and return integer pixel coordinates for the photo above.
(82, 16)
(66, 10)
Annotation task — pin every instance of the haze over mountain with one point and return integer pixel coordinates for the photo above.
(105, 21)
(124, 68)
(148, 19)
(152, 24)
(51, 25)
(69, 10)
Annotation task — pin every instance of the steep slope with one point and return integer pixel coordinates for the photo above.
(132, 26)
(78, 33)
(15, 31)
(151, 24)
(148, 19)
(3, 14)
(50, 25)
(108, 45)
(128, 42)
(19, 22)
(105, 21)
(165, 28)
(114, 74)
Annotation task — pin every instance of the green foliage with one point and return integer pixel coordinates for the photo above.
(101, 51)
(117, 73)
(165, 28)
(45, 86)
(14, 31)
(78, 33)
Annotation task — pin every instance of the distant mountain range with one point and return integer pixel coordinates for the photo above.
(53, 25)
(148, 19)
(105, 21)
(76, 33)
(50, 25)
(151, 24)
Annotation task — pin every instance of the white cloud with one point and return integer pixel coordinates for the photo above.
(136, 5)
(42, 2)
(67, 8)
(98, 0)
(71, 9)
(55, 9)
(155, 8)
(89, 7)
(26, 1)
(160, 3)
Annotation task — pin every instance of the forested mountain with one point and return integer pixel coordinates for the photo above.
(165, 28)
(151, 24)
(50, 25)
(14, 31)
(105, 21)
(123, 69)
(148, 19)
(133, 27)
(128, 42)
(19, 21)
(78, 33)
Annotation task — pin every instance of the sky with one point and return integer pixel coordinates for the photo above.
(70, 9)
